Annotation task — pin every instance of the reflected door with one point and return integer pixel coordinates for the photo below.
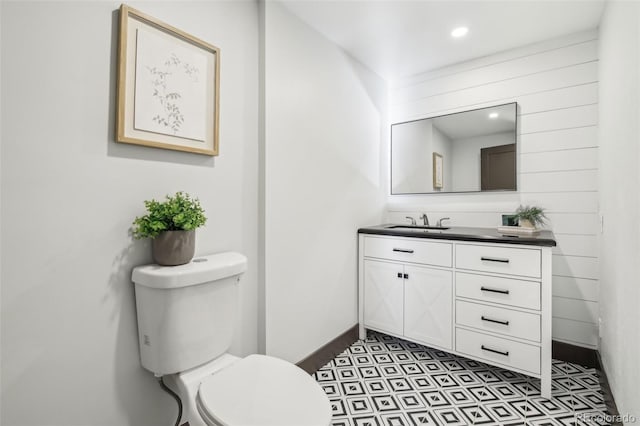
(498, 168)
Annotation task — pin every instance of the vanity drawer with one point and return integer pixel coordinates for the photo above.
(506, 291)
(409, 250)
(512, 323)
(502, 260)
(500, 351)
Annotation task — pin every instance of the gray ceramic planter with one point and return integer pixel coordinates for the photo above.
(172, 248)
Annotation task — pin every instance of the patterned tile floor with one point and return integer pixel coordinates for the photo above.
(388, 381)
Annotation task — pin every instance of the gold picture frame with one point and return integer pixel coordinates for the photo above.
(168, 86)
(437, 171)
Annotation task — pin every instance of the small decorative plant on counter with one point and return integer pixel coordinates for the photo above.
(530, 216)
(171, 224)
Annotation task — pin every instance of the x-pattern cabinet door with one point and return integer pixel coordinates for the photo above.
(428, 299)
(383, 296)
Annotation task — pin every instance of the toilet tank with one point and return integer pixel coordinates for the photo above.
(186, 313)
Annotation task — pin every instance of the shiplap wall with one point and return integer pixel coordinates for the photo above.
(556, 86)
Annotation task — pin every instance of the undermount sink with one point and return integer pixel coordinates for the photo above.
(417, 228)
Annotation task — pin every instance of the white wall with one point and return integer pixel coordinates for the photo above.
(411, 162)
(69, 194)
(620, 201)
(442, 145)
(556, 86)
(414, 143)
(323, 179)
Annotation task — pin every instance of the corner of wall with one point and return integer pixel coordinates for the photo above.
(322, 182)
(619, 179)
(262, 320)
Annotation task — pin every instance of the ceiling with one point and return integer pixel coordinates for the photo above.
(475, 123)
(402, 38)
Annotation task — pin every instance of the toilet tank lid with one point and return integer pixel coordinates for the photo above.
(200, 270)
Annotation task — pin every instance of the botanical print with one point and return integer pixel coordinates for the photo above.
(170, 88)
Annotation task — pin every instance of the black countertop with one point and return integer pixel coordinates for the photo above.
(484, 235)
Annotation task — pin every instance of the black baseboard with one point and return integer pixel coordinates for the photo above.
(589, 358)
(575, 354)
(326, 353)
(610, 403)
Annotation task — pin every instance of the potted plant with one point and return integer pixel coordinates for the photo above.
(171, 224)
(530, 216)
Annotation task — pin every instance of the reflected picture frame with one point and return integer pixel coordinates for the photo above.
(437, 171)
(168, 83)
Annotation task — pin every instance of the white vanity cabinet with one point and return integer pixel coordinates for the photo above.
(488, 301)
(428, 293)
(384, 296)
(408, 288)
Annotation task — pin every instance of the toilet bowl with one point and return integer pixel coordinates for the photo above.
(262, 390)
(185, 316)
(256, 390)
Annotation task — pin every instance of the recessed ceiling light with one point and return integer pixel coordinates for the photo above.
(493, 115)
(459, 32)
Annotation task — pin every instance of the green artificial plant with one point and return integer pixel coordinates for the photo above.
(177, 213)
(533, 214)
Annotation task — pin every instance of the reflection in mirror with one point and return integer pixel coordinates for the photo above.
(462, 152)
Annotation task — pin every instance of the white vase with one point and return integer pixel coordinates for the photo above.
(525, 223)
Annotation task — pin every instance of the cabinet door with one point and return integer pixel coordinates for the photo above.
(383, 296)
(428, 306)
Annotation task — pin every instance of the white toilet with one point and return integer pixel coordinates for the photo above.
(185, 327)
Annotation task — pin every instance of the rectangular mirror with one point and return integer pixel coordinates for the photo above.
(468, 151)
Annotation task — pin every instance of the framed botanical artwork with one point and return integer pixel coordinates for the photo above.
(168, 86)
(437, 171)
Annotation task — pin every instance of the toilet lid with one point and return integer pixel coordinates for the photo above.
(262, 390)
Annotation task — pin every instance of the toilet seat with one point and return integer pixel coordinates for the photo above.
(260, 390)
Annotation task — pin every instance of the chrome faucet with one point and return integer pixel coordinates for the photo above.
(413, 221)
(439, 224)
(425, 219)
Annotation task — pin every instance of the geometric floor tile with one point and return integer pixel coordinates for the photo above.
(387, 381)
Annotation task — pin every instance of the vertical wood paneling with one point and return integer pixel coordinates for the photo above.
(556, 86)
